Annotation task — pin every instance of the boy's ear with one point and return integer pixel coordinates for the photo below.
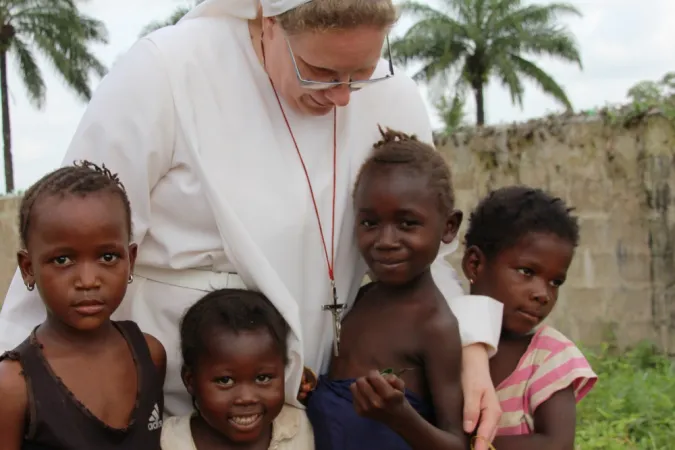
(452, 225)
(473, 263)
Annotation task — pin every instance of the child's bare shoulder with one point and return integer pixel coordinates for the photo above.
(436, 308)
(157, 352)
(439, 320)
(12, 385)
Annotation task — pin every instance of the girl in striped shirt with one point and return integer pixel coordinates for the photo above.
(519, 245)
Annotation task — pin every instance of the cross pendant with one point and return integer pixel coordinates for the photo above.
(336, 311)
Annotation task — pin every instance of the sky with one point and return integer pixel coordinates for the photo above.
(622, 42)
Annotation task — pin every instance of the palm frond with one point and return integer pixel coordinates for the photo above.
(506, 72)
(532, 16)
(30, 72)
(171, 20)
(556, 42)
(63, 34)
(541, 78)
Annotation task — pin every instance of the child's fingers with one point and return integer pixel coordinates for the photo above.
(383, 386)
(395, 382)
(366, 390)
(359, 402)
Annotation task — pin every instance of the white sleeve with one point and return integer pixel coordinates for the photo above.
(128, 126)
(479, 317)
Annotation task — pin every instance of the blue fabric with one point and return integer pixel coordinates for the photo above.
(337, 426)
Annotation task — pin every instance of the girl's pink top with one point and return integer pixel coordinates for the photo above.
(551, 363)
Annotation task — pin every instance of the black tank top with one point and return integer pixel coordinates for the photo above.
(56, 420)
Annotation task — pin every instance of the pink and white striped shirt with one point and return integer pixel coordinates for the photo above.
(551, 363)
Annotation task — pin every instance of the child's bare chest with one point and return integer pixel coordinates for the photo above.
(376, 336)
(105, 385)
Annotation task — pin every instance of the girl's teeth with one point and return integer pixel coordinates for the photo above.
(245, 420)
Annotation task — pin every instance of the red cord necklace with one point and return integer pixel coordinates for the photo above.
(334, 308)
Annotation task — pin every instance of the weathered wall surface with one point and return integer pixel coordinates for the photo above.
(9, 241)
(621, 182)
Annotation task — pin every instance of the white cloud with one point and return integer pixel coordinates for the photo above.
(622, 42)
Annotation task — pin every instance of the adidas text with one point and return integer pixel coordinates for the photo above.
(155, 422)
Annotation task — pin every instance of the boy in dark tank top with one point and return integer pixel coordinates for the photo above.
(80, 381)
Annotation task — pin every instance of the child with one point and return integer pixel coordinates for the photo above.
(519, 245)
(80, 381)
(404, 206)
(234, 355)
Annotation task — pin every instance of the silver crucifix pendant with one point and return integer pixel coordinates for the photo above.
(336, 311)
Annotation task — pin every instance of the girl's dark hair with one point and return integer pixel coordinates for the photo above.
(506, 215)
(82, 178)
(233, 310)
(405, 151)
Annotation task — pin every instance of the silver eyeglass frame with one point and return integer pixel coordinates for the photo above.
(353, 85)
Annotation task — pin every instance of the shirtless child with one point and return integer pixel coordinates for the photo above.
(396, 381)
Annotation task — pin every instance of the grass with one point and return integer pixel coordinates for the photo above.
(632, 407)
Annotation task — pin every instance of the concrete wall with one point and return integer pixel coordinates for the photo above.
(9, 241)
(620, 180)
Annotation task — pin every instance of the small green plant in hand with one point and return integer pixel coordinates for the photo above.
(398, 372)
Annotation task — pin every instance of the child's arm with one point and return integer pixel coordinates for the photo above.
(13, 406)
(158, 355)
(554, 426)
(383, 399)
(443, 368)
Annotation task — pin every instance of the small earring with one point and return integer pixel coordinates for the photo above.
(131, 278)
(30, 286)
(470, 280)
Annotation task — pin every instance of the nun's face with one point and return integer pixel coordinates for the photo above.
(299, 63)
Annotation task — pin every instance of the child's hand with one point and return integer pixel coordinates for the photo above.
(379, 397)
(307, 384)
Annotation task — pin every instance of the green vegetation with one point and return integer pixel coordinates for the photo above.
(451, 111)
(62, 34)
(645, 98)
(632, 407)
(171, 20)
(470, 42)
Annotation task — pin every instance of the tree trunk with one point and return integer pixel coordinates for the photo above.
(6, 129)
(480, 105)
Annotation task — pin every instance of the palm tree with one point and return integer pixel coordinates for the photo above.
(171, 20)
(61, 33)
(476, 40)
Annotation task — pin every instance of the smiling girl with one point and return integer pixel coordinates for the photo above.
(234, 346)
(519, 246)
(80, 381)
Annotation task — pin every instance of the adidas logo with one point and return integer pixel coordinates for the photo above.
(155, 422)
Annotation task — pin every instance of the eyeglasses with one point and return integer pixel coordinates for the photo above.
(354, 85)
